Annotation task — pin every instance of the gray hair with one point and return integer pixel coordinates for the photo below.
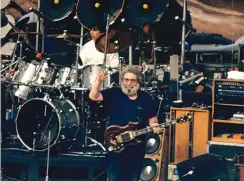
(132, 69)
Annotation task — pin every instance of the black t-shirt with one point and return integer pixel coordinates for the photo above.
(121, 110)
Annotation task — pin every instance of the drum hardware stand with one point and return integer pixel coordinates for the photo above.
(183, 37)
(154, 60)
(88, 122)
(48, 155)
(122, 62)
(106, 46)
(34, 141)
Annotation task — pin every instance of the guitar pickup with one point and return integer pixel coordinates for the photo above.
(126, 136)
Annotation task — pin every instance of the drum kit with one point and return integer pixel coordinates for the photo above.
(52, 100)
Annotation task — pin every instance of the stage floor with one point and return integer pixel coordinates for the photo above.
(70, 166)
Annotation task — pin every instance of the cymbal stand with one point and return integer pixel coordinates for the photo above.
(48, 155)
(121, 64)
(106, 45)
(154, 60)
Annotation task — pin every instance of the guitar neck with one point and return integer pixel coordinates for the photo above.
(150, 129)
(181, 119)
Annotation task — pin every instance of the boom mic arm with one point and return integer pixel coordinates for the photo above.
(188, 25)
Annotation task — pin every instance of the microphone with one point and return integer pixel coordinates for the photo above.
(184, 22)
(39, 14)
(189, 173)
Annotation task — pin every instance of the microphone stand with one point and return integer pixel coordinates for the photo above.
(179, 90)
(48, 155)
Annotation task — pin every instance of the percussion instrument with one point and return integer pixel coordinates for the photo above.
(24, 74)
(45, 73)
(89, 74)
(89, 12)
(65, 35)
(37, 116)
(117, 41)
(140, 13)
(56, 10)
(66, 76)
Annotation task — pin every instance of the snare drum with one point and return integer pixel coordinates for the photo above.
(37, 117)
(25, 74)
(90, 73)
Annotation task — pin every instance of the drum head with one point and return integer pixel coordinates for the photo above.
(143, 12)
(34, 120)
(56, 10)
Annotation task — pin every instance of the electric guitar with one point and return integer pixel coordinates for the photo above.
(118, 138)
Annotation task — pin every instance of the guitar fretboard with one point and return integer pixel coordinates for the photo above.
(181, 119)
(150, 129)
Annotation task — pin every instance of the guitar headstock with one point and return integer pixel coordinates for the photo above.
(184, 118)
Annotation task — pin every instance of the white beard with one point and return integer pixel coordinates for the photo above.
(130, 91)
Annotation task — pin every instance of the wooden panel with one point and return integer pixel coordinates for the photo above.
(189, 138)
(181, 138)
(200, 133)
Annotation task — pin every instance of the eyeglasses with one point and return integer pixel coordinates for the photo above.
(133, 81)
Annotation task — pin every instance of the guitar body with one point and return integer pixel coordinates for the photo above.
(117, 138)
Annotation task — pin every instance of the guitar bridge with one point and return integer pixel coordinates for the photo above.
(126, 136)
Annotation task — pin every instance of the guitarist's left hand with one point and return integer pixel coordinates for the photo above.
(154, 123)
(157, 130)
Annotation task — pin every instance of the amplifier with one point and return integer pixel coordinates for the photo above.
(229, 92)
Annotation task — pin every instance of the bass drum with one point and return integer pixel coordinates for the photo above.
(38, 117)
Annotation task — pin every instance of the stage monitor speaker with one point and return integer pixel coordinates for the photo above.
(156, 158)
(189, 139)
(207, 167)
(241, 57)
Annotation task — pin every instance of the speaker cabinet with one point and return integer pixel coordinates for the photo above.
(189, 138)
(156, 158)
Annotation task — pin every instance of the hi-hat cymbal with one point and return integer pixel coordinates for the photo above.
(26, 33)
(64, 36)
(117, 41)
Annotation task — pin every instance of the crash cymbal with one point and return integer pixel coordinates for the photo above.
(117, 41)
(26, 33)
(64, 36)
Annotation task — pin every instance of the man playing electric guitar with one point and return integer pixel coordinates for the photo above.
(124, 105)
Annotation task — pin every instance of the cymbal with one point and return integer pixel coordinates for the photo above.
(117, 41)
(64, 36)
(25, 33)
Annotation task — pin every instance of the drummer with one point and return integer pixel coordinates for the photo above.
(91, 56)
